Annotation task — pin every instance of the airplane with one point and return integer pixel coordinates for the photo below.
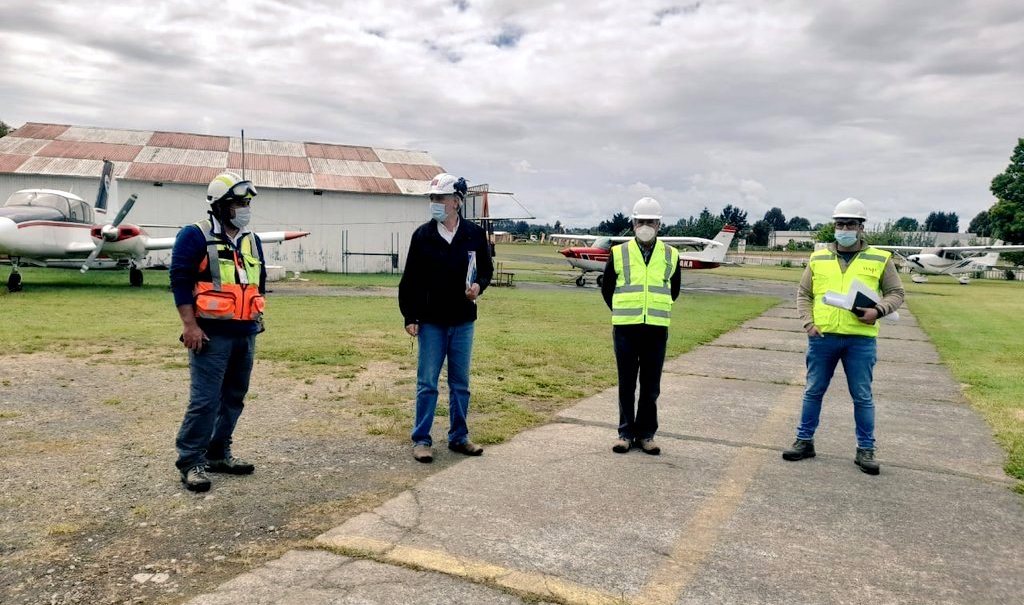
(594, 257)
(47, 227)
(950, 260)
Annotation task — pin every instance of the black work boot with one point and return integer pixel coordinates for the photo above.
(866, 461)
(802, 448)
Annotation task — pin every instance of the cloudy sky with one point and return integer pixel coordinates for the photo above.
(580, 108)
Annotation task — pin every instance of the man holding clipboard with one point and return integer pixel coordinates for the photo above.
(447, 268)
(837, 334)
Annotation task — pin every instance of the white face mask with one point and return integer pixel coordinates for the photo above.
(438, 212)
(242, 217)
(646, 233)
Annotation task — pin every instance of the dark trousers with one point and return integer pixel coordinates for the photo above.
(639, 351)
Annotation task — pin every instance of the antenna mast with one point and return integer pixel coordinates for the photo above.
(243, 154)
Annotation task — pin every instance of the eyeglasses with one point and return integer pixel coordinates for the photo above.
(847, 225)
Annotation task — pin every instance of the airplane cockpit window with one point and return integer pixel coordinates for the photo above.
(80, 212)
(603, 243)
(35, 198)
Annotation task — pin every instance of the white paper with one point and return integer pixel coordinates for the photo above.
(848, 300)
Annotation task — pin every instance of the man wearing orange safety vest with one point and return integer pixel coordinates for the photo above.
(218, 277)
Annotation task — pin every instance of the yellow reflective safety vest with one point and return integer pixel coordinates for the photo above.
(867, 266)
(228, 286)
(643, 293)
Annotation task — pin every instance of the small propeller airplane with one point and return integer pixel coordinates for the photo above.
(953, 261)
(46, 227)
(593, 258)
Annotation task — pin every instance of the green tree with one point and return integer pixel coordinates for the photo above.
(798, 223)
(4, 129)
(619, 225)
(759, 233)
(775, 219)
(737, 217)
(907, 224)
(981, 224)
(1007, 214)
(826, 233)
(942, 222)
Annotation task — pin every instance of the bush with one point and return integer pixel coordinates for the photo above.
(1010, 275)
(786, 263)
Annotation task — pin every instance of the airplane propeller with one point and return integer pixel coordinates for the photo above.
(109, 232)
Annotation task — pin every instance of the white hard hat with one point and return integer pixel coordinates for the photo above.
(228, 185)
(448, 184)
(647, 208)
(851, 208)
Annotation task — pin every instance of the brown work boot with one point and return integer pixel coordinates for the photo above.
(195, 479)
(621, 445)
(423, 453)
(649, 446)
(467, 447)
(231, 466)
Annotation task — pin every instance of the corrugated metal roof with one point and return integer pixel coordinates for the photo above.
(106, 135)
(171, 173)
(192, 158)
(189, 157)
(40, 131)
(180, 140)
(255, 161)
(21, 145)
(268, 147)
(349, 168)
(10, 162)
(398, 156)
(89, 151)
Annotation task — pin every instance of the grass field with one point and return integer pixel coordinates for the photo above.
(536, 351)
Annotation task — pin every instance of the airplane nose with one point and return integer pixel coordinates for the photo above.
(8, 229)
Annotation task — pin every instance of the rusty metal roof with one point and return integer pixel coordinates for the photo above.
(177, 157)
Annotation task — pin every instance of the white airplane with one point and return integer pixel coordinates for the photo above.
(950, 260)
(46, 227)
(593, 258)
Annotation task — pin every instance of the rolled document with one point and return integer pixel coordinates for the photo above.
(859, 296)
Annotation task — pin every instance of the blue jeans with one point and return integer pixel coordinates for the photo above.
(639, 353)
(220, 379)
(437, 342)
(858, 354)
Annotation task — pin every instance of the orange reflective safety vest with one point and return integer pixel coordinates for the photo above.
(228, 286)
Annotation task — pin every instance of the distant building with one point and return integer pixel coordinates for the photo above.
(782, 238)
(361, 204)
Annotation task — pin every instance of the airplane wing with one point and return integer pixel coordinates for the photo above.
(570, 236)
(992, 248)
(902, 248)
(674, 240)
(79, 248)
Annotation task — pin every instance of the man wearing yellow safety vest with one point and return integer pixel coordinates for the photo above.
(641, 281)
(218, 278)
(836, 334)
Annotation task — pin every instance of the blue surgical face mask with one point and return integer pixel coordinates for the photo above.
(242, 217)
(846, 238)
(438, 212)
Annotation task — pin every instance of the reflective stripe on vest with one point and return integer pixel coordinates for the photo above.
(643, 293)
(867, 266)
(228, 283)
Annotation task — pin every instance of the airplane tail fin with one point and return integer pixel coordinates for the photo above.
(106, 183)
(716, 254)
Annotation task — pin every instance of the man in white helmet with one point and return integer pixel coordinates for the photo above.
(447, 268)
(641, 281)
(835, 334)
(218, 278)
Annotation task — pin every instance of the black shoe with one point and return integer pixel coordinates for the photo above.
(195, 479)
(802, 448)
(230, 465)
(622, 445)
(866, 461)
(467, 447)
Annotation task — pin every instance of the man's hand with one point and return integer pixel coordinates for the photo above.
(473, 291)
(812, 330)
(412, 329)
(193, 337)
(869, 316)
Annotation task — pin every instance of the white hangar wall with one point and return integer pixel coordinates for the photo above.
(349, 232)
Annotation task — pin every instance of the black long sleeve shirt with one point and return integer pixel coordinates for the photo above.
(433, 286)
(608, 282)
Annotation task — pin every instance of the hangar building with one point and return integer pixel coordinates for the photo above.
(361, 204)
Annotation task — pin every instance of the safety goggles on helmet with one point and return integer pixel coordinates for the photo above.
(240, 191)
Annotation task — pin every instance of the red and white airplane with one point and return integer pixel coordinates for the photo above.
(593, 258)
(46, 227)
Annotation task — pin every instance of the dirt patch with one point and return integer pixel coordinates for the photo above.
(91, 507)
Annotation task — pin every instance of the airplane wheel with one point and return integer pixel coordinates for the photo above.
(14, 282)
(581, 281)
(135, 278)
(600, 280)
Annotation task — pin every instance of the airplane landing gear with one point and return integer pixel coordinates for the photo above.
(964, 280)
(581, 281)
(600, 280)
(917, 278)
(135, 277)
(14, 282)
